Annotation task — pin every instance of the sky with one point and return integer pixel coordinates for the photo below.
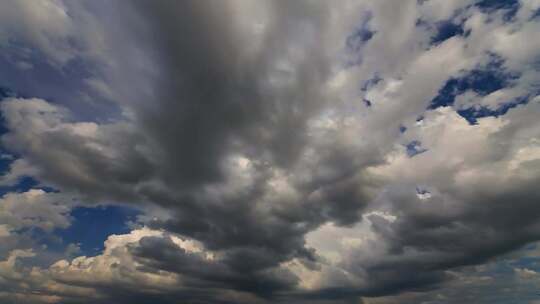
(237, 151)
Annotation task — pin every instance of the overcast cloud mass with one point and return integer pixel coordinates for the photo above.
(237, 151)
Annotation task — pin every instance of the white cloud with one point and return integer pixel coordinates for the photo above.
(35, 208)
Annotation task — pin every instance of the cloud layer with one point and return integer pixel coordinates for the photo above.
(295, 152)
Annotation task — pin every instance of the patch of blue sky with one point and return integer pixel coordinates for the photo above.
(4, 92)
(367, 102)
(483, 81)
(66, 85)
(473, 113)
(90, 227)
(527, 257)
(509, 7)
(414, 148)
(402, 129)
(446, 30)
(358, 38)
(497, 4)
(495, 276)
(536, 14)
(5, 161)
(24, 184)
(532, 263)
(368, 84)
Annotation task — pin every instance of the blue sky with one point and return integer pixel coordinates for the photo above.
(91, 226)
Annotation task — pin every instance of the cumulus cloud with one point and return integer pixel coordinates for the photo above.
(35, 208)
(280, 151)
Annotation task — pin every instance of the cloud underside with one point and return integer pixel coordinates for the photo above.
(295, 152)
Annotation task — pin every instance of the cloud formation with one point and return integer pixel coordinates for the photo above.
(303, 151)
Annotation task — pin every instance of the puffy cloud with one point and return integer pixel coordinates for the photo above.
(57, 30)
(131, 268)
(33, 285)
(34, 208)
(42, 25)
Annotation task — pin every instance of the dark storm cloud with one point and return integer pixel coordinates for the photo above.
(213, 97)
(240, 269)
(214, 100)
